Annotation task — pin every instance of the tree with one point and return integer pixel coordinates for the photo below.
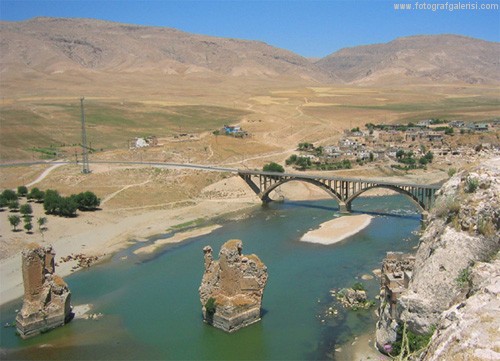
(291, 160)
(42, 221)
(28, 226)
(87, 201)
(22, 191)
(303, 162)
(51, 202)
(372, 157)
(3, 202)
(67, 207)
(26, 210)
(14, 221)
(13, 205)
(448, 131)
(429, 156)
(36, 194)
(9, 195)
(273, 167)
(400, 154)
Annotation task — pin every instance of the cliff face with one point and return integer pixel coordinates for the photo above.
(232, 288)
(463, 230)
(46, 303)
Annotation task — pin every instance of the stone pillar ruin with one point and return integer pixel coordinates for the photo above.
(46, 302)
(232, 288)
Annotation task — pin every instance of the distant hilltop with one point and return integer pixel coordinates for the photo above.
(47, 47)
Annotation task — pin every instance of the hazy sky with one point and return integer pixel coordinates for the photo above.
(309, 28)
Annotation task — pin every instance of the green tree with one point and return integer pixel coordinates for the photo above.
(87, 201)
(51, 201)
(273, 167)
(448, 131)
(26, 210)
(22, 191)
(372, 157)
(9, 195)
(303, 163)
(67, 207)
(36, 194)
(429, 156)
(28, 226)
(14, 221)
(13, 205)
(3, 202)
(291, 160)
(400, 153)
(41, 221)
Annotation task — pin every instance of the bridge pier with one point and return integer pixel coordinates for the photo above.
(345, 207)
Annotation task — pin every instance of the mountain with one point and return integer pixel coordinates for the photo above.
(55, 45)
(48, 49)
(431, 58)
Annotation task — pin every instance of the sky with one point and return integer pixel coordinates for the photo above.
(312, 28)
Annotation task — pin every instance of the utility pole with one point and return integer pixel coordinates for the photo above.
(85, 153)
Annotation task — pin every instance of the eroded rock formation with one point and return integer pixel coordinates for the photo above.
(463, 232)
(232, 288)
(46, 303)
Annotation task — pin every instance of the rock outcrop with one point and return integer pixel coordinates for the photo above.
(46, 303)
(463, 230)
(232, 288)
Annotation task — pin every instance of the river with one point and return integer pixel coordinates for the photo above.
(151, 308)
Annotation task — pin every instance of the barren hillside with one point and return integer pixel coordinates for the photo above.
(437, 59)
(51, 45)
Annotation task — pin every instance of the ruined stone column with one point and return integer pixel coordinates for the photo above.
(46, 302)
(232, 288)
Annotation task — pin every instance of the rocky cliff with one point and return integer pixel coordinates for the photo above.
(450, 284)
(232, 288)
(46, 303)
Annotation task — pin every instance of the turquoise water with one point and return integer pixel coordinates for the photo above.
(151, 305)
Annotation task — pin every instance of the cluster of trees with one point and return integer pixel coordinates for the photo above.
(299, 162)
(56, 204)
(309, 147)
(273, 167)
(408, 158)
(53, 203)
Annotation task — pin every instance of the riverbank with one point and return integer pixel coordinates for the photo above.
(337, 229)
(105, 232)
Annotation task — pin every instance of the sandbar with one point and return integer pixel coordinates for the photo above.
(337, 229)
(176, 238)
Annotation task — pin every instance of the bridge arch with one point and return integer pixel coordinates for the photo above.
(415, 200)
(265, 195)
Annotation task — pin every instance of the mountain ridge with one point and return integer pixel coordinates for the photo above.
(50, 46)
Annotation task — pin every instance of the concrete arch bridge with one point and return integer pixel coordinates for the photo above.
(343, 190)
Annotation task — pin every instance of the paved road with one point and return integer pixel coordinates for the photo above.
(212, 169)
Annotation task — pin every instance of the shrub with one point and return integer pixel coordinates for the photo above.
(463, 277)
(451, 172)
(409, 343)
(358, 286)
(210, 306)
(486, 227)
(471, 185)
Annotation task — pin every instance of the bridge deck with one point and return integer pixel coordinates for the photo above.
(347, 179)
